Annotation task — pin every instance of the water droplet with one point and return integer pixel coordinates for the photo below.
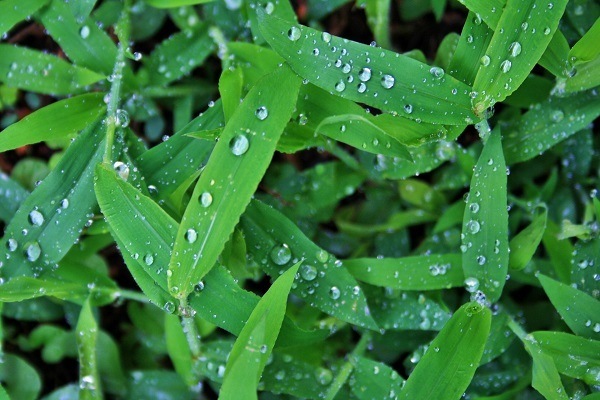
(473, 226)
(474, 207)
(206, 199)
(64, 203)
(308, 272)
(437, 72)
(477, 19)
(269, 8)
(557, 116)
(84, 32)
(387, 81)
(322, 256)
(471, 284)
(122, 118)
(408, 108)
(198, 287)
(324, 376)
(340, 86)
(122, 170)
(261, 113)
(315, 52)
(361, 88)
(281, 254)
(481, 260)
(169, 307)
(294, 33)
(12, 244)
(364, 74)
(346, 68)
(514, 49)
(191, 235)
(239, 144)
(547, 31)
(334, 293)
(550, 6)
(33, 251)
(326, 37)
(505, 66)
(149, 259)
(36, 218)
(485, 60)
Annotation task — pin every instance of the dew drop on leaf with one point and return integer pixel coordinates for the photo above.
(281, 254)
(84, 32)
(514, 49)
(340, 86)
(473, 226)
(239, 144)
(269, 8)
(505, 66)
(64, 203)
(191, 235)
(294, 33)
(364, 74)
(308, 272)
(33, 251)
(471, 284)
(169, 307)
(334, 293)
(12, 244)
(361, 87)
(437, 72)
(326, 37)
(122, 118)
(485, 60)
(387, 81)
(206, 199)
(36, 218)
(122, 170)
(261, 113)
(557, 116)
(149, 259)
(408, 108)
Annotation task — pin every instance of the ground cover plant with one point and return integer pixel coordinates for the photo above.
(245, 199)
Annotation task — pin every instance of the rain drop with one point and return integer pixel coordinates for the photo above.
(408, 108)
(206, 199)
(191, 235)
(473, 226)
(294, 33)
(84, 32)
(308, 272)
(485, 60)
(364, 74)
(36, 218)
(281, 254)
(557, 116)
(122, 170)
(169, 307)
(149, 259)
(122, 118)
(505, 66)
(547, 31)
(481, 260)
(326, 37)
(239, 144)
(361, 88)
(387, 81)
(471, 284)
(340, 86)
(346, 68)
(269, 8)
(334, 293)
(12, 244)
(514, 49)
(322, 256)
(437, 72)
(33, 251)
(64, 203)
(474, 207)
(261, 113)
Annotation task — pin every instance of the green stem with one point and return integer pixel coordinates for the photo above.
(133, 295)
(115, 88)
(191, 332)
(347, 368)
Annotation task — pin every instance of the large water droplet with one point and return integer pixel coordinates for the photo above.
(346, 68)
(122, 170)
(33, 251)
(334, 293)
(364, 74)
(473, 226)
(294, 33)
(557, 116)
(485, 60)
(505, 66)
(324, 376)
(12, 244)
(239, 144)
(36, 218)
(206, 199)
(261, 113)
(514, 49)
(361, 88)
(437, 72)
(281, 254)
(340, 86)
(481, 259)
(84, 32)
(64, 203)
(471, 284)
(149, 259)
(322, 256)
(122, 118)
(326, 37)
(191, 235)
(408, 108)
(474, 207)
(308, 272)
(387, 81)
(269, 8)
(169, 307)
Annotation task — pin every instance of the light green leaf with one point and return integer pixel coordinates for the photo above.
(585, 258)
(396, 222)
(43, 73)
(579, 310)
(230, 86)
(376, 77)
(19, 378)
(378, 18)
(432, 272)
(499, 339)
(175, 3)
(587, 77)
(573, 356)
(586, 49)
(15, 11)
(325, 283)
(230, 178)
(23, 288)
(56, 211)
(256, 340)
(87, 335)
(178, 348)
(11, 196)
(57, 120)
(485, 223)
(526, 242)
(514, 51)
(449, 364)
(559, 251)
(374, 380)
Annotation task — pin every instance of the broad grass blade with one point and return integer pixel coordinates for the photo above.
(15, 11)
(524, 244)
(87, 336)
(11, 196)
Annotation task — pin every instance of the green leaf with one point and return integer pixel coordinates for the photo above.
(449, 364)
(58, 120)
(56, 211)
(388, 78)
(256, 340)
(378, 18)
(11, 196)
(87, 335)
(552, 122)
(559, 251)
(587, 77)
(586, 48)
(19, 378)
(43, 73)
(230, 178)
(585, 257)
(23, 287)
(374, 380)
(514, 51)
(325, 283)
(579, 310)
(230, 86)
(526, 242)
(573, 356)
(175, 3)
(178, 348)
(499, 339)
(432, 272)
(546, 379)
(485, 223)
(15, 11)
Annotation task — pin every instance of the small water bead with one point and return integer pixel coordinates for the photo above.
(346, 68)
(334, 293)
(261, 113)
(33, 251)
(149, 259)
(557, 116)
(437, 72)
(322, 256)
(485, 60)
(338, 63)
(550, 6)
(547, 31)
(315, 52)
(84, 32)
(198, 287)
(294, 33)
(324, 376)
(206, 199)
(12, 244)
(474, 208)
(64, 203)
(169, 307)
(122, 118)
(308, 272)
(281, 254)
(470, 39)
(471, 284)
(364, 74)
(361, 88)
(514, 49)
(481, 260)
(191, 235)
(340, 86)
(269, 8)
(239, 144)
(473, 226)
(122, 170)
(326, 37)
(387, 81)
(505, 66)
(36, 218)
(408, 108)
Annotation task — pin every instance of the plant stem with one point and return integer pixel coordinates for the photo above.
(347, 368)
(133, 295)
(115, 88)
(190, 330)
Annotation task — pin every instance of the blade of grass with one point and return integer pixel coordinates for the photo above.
(376, 77)
(448, 366)
(87, 335)
(485, 223)
(524, 244)
(230, 178)
(11, 196)
(15, 11)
